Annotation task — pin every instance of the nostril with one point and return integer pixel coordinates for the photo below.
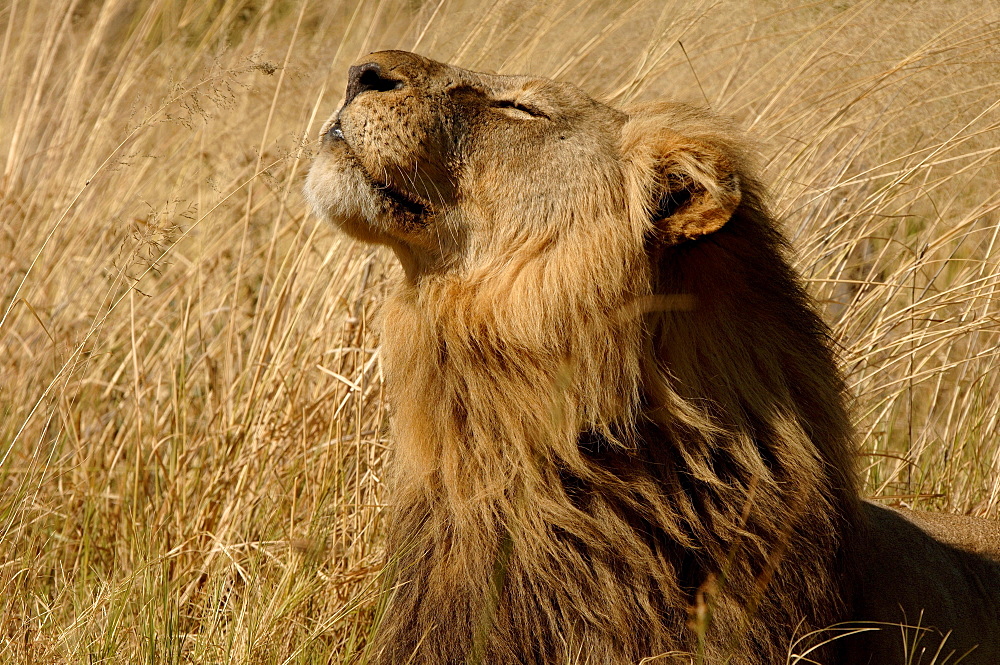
(372, 79)
(369, 77)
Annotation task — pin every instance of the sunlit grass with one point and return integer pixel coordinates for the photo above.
(191, 425)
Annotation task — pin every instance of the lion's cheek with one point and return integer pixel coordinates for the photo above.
(413, 162)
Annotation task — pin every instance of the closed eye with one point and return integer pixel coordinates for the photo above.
(518, 106)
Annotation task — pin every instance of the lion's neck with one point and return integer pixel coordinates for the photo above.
(622, 450)
(494, 383)
(489, 402)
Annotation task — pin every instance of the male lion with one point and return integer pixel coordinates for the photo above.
(620, 430)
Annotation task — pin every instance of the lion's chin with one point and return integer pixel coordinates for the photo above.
(339, 192)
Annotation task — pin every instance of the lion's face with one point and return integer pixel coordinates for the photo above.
(445, 164)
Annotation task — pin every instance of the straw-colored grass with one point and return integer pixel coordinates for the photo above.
(191, 424)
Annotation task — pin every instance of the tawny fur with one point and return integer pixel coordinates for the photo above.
(620, 430)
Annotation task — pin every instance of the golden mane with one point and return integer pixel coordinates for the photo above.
(621, 432)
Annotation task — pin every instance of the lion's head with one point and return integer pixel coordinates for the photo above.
(612, 398)
(455, 169)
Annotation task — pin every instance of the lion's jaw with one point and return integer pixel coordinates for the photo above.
(452, 168)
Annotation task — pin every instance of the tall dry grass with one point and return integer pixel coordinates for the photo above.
(191, 425)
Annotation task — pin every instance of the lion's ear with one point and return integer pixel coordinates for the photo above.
(696, 189)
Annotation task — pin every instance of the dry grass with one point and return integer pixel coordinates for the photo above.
(191, 423)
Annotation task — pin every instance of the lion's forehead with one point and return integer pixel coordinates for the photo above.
(557, 96)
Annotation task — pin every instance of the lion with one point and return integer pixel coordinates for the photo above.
(620, 430)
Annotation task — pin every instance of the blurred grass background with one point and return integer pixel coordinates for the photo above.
(192, 429)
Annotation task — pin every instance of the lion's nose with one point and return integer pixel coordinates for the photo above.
(368, 76)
